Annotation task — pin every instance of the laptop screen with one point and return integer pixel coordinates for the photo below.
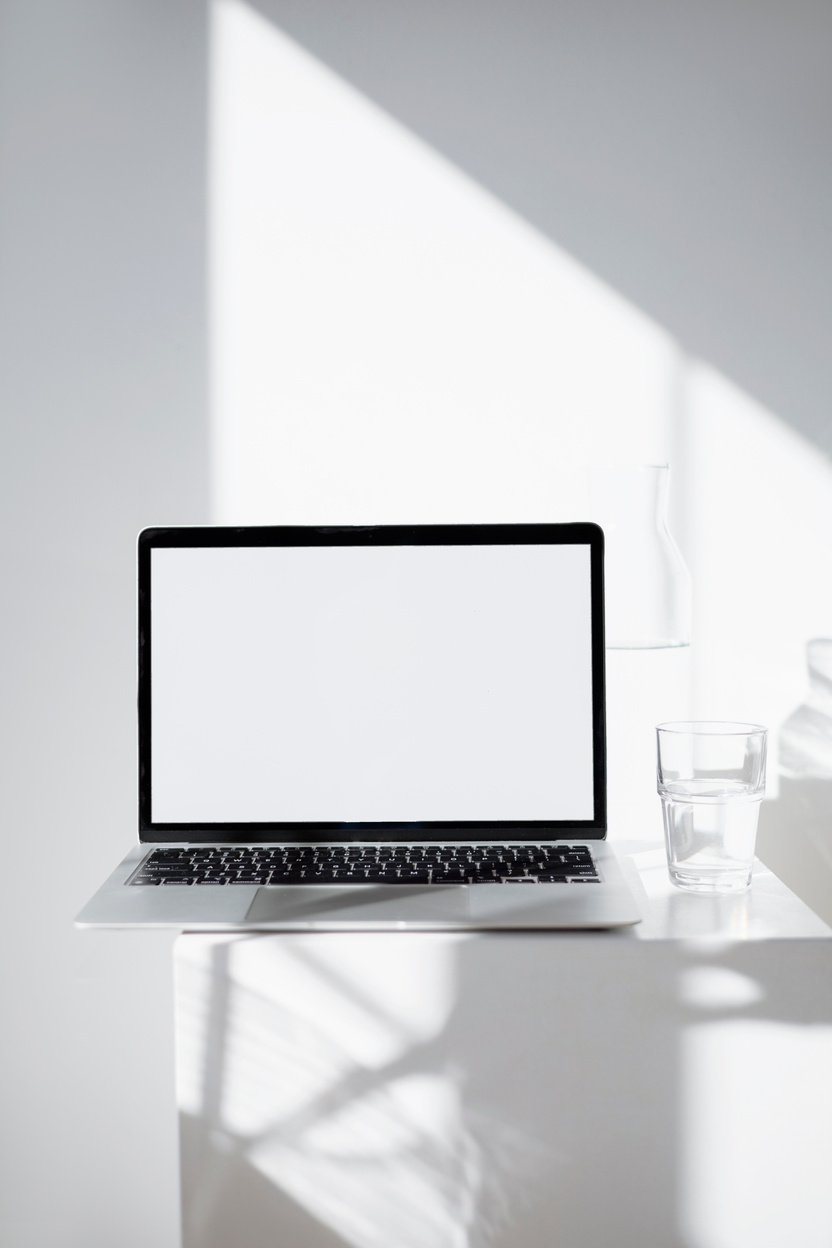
(369, 680)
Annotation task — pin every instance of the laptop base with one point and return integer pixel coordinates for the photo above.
(366, 907)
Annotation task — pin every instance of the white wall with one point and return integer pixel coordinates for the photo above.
(645, 274)
(669, 154)
(389, 342)
(392, 342)
(103, 412)
(675, 150)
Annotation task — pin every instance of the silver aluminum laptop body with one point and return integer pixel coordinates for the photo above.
(385, 685)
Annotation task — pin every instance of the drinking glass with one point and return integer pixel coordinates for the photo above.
(711, 780)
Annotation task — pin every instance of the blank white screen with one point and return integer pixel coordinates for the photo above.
(371, 684)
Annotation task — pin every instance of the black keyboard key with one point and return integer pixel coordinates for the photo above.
(388, 864)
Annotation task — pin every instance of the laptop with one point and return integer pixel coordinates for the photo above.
(381, 727)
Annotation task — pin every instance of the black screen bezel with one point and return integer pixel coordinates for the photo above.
(584, 534)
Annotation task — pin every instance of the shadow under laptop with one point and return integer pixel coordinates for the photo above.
(431, 1090)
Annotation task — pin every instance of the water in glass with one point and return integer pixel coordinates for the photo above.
(710, 828)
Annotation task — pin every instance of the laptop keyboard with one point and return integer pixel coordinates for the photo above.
(376, 864)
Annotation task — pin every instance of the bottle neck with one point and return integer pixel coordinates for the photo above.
(630, 500)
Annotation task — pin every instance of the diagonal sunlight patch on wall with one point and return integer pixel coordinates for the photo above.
(389, 341)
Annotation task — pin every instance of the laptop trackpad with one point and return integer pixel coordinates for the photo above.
(387, 905)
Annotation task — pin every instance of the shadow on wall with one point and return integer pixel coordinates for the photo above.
(103, 404)
(795, 833)
(673, 150)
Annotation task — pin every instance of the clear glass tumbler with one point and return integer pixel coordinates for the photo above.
(711, 780)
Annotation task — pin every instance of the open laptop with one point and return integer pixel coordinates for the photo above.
(387, 727)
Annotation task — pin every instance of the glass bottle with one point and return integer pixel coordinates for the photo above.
(647, 584)
(648, 632)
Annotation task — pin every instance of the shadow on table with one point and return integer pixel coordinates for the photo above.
(420, 1091)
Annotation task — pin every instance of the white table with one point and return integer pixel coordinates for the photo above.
(670, 1085)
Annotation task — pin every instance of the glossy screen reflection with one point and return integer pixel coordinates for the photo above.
(355, 683)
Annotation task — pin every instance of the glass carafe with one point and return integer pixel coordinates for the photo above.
(647, 583)
(648, 632)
